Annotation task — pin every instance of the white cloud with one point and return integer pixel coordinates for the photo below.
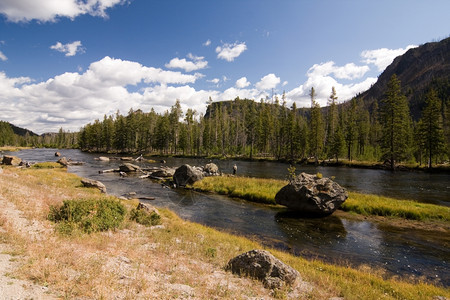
(207, 43)
(51, 10)
(197, 63)
(71, 100)
(229, 52)
(70, 49)
(3, 56)
(323, 77)
(383, 57)
(349, 71)
(270, 81)
(214, 80)
(242, 83)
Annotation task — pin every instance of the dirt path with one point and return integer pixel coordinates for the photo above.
(10, 287)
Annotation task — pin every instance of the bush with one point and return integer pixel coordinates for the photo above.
(87, 215)
(145, 218)
(47, 165)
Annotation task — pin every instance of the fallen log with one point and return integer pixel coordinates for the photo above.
(108, 171)
(146, 198)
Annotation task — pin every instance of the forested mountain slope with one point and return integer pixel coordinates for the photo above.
(418, 69)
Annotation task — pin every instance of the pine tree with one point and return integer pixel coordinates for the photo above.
(430, 127)
(332, 123)
(394, 114)
(316, 128)
(350, 129)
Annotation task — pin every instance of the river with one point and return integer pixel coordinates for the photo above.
(407, 253)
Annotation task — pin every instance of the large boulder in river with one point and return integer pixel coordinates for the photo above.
(262, 265)
(312, 195)
(187, 175)
(11, 160)
(93, 184)
(211, 169)
(127, 167)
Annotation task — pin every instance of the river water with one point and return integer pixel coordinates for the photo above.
(407, 253)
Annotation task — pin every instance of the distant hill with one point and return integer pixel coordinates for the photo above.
(418, 69)
(21, 131)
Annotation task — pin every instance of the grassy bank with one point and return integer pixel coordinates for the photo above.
(176, 260)
(264, 191)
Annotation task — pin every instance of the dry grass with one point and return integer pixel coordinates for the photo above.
(177, 260)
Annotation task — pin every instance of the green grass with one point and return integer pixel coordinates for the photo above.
(374, 205)
(264, 191)
(251, 189)
(47, 165)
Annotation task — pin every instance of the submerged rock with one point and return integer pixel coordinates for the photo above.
(262, 265)
(187, 175)
(310, 194)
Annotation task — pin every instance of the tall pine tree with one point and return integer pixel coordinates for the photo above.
(394, 114)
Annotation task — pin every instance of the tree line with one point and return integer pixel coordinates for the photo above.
(62, 139)
(383, 131)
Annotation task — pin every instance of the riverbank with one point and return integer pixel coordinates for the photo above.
(137, 261)
(367, 206)
(345, 163)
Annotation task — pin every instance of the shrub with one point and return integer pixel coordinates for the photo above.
(87, 215)
(47, 165)
(145, 218)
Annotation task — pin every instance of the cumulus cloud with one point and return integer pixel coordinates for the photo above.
(325, 76)
(196, 63)
(270, 81)
(229, 52)
(72, 99)
(70, 49)
(3, 56)
(214, 80)
(207, 43)
(242, 83)
(51, 10)
(348, 71)
(383, 57)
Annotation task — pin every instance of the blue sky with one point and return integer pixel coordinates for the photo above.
(66, 63)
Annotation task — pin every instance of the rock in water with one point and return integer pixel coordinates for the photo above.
(127, 167)
(164, 172)
(211, 169)
(63, 161)
(11, 160)
(262, 265)
(312, 195)
(93, 183)
(186, 175)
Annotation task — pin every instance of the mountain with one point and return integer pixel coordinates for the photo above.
(20, 131)
(418, 69)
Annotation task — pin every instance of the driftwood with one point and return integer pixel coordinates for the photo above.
(146, 198)
(108, 171)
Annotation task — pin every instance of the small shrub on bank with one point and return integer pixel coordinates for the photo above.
(145, 218)
(47, 165)
(87, 215)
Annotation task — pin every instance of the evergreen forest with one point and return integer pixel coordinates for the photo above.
(355, 130)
